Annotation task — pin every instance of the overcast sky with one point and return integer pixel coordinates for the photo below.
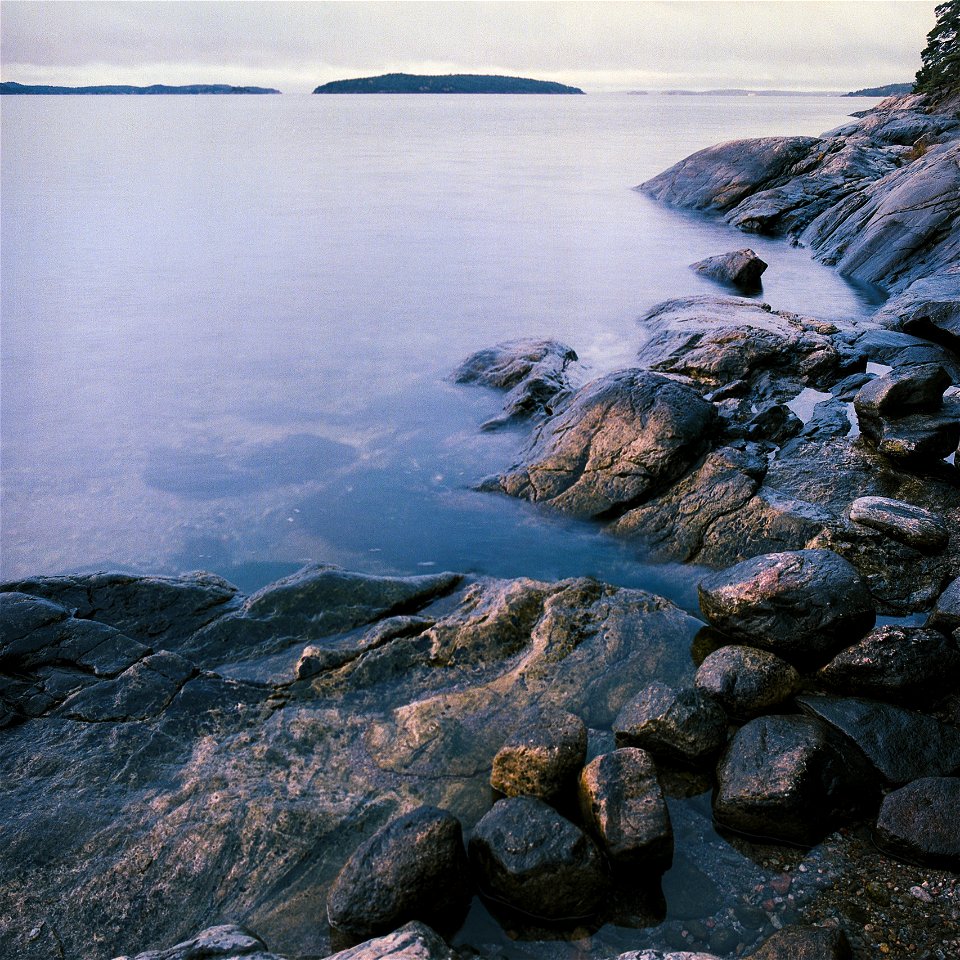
(826, 45)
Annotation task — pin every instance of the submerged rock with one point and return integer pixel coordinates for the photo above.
(414, 868)
(746, 681)
(620, 440)
(530, 858)
(740, 268)
(800, 605)
(919, 822)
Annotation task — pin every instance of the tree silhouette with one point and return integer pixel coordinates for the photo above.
(941, 57)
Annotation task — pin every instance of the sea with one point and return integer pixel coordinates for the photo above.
(228, 323)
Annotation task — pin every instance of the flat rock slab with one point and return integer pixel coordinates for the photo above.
(800, 604)
(739, 268)
(919, 822)
(912, 525)
(902, 745)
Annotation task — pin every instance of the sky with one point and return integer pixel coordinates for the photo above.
(599, 46)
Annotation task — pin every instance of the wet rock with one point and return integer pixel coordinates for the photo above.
(534, 372)
(893, 348)
(680, 725)
(623, 805)
(413, 941)
(829, 419)
(542, 757)
(946, 612)
(919, 822)
(904, 522)
(928, 308)
(804, 943)
(899, 392)
(920, 437)
(902, 745)
(746, 681)
(788, 778)
(619, 441)
(529, 857)
(799, 604)
(22, 615)
(414, 868)
(226, 941)
(740, 268)
(895, 662)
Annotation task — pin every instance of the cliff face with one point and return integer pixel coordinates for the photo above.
(879, 197)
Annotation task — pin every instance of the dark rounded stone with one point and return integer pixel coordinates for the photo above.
(745, 680)
(919, 822)
(542, 757)
(789, 778)
(946, 612)
(914, 389)
(414, 868)
(800, 604)
(901, 521)
(679, 725)
(740, 268)
(530, 858)
(622, 803)
(804, 943)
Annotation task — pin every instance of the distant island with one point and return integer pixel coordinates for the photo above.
(157, 88)
(735, 92)
(453, 83)
(890, 90)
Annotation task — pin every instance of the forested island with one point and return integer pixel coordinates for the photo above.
(889, 90)
(453, 83)
(115, 88)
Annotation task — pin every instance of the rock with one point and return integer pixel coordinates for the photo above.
(919, 437)
(788, 778)
(746, 681)
(680, 725)
(740, 268)
(901, 744)
(919, 823)
(928, 308)
(804, 943)
(542, 757)
(413, 941)
(904, 522)
(894, 663)
(620, 440)
(414, 868)
(916, 389)
(799, 604)
(719, 177)
(227, 941)
(892, 348)
(530, 858)
(623, 805)
(946, 612)
(534, 372)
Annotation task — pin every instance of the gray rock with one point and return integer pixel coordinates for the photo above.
(928, 308)
(746, 681)
(804, 943)
(529, 857)
(620, 440)
(226, 941)
(414, 868)
(895, 663)
(788, 778)
(916, 389)
(945, 615)
(740, 268)
(680, 725)
(904, 522)
(920, 437)
(919, 822)
(623, 805)
(534, 372)
(800, 604)
(542, 757)
(901, 744)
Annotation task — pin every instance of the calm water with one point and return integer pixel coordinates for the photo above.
(227, 320)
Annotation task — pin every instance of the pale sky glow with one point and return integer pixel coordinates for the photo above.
(781, 44)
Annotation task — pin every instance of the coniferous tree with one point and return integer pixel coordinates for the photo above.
(941, 57)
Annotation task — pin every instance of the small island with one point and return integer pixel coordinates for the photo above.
(453, 83)
(889, 90)
(156, 88)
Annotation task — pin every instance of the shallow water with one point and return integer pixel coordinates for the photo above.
(227, 321)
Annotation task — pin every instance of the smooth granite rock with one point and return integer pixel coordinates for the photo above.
(912, 525)
(530, 858)
(789, 778)
(739, 268)
(746, 681)
(679, 725)
(619, 441)
(413, 868)
(928, 308)
(915, 389)
(542, 757)
(919, 822)
(800, 605)
(225, 941)
(622, 804)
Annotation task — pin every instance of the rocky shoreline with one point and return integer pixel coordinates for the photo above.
(341, 757)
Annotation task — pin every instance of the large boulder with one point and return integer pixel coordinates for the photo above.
(746, 681)
(620, 440)
(530, 858)
(739, 268)
(413, 868)
(919, 822)
(789, 778)
(804, 943)
(227, 941)
(800, 604)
